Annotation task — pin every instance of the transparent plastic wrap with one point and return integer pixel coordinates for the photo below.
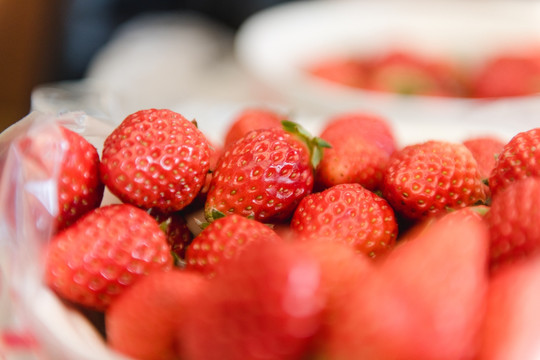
(35, 323)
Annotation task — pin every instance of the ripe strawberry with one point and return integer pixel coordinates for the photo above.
(222, 240)
(361, 144)
(513, 221)
(265, 174)
(349, 72)
(512, 321)
(350, 214)
(175, 227)
(155, 159)
(79, 186)
(409, 73)
(485, 150)
(519, 158)
(252, 119)
(425, 302)
(507, 75)
(144, 322)
(266, 305)
(110, 248)
(428, 178)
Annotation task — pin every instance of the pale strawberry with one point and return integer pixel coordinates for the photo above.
(267, 305)
(145, 321)
(485, 150)
(425, 302)
(512, 320)
(361, 144)
(252, 119)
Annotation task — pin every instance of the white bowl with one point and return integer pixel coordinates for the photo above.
(276, 44)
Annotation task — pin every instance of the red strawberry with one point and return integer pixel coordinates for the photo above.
(222, 240)
(513, 221)
(428, 178)
(485, 150)
(512, 321)
(425, 302)
(252, 119)
(266, 305)
(79, 186)
(349, 72)
(350, 214)
(110, 248)
(519, 158)
(144, 322)
(175, 227)
(155, 159)
(507, 75)
(360, 147)
(265, 174)
(408, 73)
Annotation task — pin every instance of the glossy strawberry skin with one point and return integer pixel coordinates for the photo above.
(145, 321)
(519, 158)
(348, 72)
(93, 261)
(155, 159)
(264, 174)
(222, 240)
(427, 179)
(361, 144)
(252, 119)
(513, 221)
(347, 213)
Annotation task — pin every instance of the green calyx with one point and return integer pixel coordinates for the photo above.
(314, 144)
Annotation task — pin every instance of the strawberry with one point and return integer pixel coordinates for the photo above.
(79, 185)
(519, 158)
(485, 150)
(361, 144)
(349, 72)
(178, 235)
(350, 214)
(252, 119)
(512, 321)
(513, 221)
(409, 73)
(425, 301)
(155, 159)
(265, 174)
(427, 179)
(223, 239)
(110, 248)
(143, 323)
(505, 75)
(266, 305)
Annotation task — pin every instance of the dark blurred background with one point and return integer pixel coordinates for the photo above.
(53, 40)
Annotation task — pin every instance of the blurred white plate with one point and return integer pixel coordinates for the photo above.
(276, 43)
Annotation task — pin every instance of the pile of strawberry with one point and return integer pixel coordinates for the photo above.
(342, 246)
(403, 71)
